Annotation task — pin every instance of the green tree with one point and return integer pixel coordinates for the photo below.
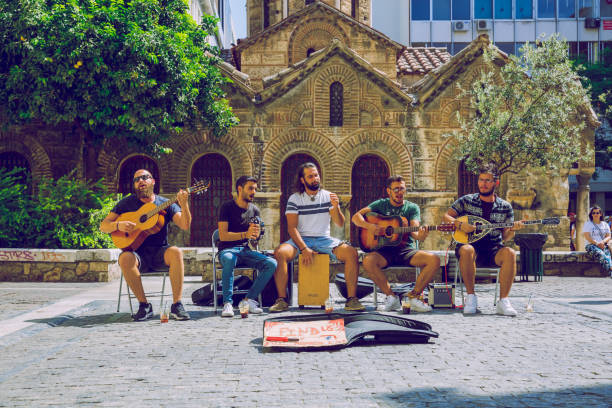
(140, 70)
(532, 117)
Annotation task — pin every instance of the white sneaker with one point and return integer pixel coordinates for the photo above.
(505, 308)
(254, 307)
(471, 304)
(392, 303)
(228, 310)
(417, 305)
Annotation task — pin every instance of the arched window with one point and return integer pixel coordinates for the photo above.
(368, 183)
(205, 207)
(11, 160)
(266, 13)
(335, 104)
(354, 7)
(467, 183)
(129, 167)
(309, 51)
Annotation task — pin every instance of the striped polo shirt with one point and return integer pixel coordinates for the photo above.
(313, 215)
(471, 204)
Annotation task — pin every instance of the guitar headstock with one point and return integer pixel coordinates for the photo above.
(447, 227)
(551, 221)
(199, 186)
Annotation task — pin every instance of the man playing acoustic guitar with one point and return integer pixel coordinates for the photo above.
(489, 250)
(403, 254)
(154, 251)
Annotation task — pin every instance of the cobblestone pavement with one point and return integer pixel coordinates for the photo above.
(64, 345)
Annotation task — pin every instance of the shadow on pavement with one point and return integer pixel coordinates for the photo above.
(592, 302)
(596, 396)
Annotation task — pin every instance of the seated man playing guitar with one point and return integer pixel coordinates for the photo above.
(154, 251)
(237, 234)
(489, 250)
(404, 251)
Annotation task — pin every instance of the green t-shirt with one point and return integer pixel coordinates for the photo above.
(408, 210)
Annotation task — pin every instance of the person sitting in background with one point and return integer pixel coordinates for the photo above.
(597, 234)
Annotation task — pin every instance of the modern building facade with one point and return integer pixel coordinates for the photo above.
(453, 24)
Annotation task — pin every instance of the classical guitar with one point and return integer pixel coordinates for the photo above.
(395, 231)
(483, 227)
(148, 220)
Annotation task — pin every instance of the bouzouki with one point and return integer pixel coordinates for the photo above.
(148, 220)
(395, 231)
(483, 227)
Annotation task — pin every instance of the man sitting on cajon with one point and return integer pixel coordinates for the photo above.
(308, 214)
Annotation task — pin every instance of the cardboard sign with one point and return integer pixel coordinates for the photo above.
(320, 333)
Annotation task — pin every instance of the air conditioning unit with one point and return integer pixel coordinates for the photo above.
(483, 25)
(461, 25)
(591, 22)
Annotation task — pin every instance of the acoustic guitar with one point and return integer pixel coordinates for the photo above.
(483, 227)
(395, 232)
(148, 220)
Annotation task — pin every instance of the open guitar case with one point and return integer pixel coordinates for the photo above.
(366, 327)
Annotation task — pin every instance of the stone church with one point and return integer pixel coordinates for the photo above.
(313, 81)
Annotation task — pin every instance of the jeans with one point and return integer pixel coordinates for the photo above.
(245, 257)
(601, 255)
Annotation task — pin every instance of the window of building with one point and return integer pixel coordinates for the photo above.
(605, 9)
(606, 52)
(507, 47)
(483, 9)
(524, 9)
(572, 49)
(461, 10)
(585, 8)
(441, 9)
(419, 44)
(309, 51)
(467, 182)
(266, 13)
(567, 9)
(503, 9)
(221, 12)
(420, 10)
(11, 160)
(546, 8)
(442, 45)
(354, 8)
(335, 104)
(458, 46)
(583, 50)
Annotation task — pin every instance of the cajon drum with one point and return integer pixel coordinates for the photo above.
(313, 282)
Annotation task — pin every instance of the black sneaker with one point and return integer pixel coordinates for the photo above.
(145, 312)
(178, 312)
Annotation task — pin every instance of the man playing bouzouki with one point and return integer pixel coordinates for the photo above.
(489, 250)
(154, 251)
(403, 254)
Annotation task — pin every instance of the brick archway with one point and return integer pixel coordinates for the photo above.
(315, 34)
(386, 145)
(297, 141)
(344, 74)
(32, 150)
(446, 167)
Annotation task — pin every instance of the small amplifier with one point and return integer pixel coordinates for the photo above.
(441, 295)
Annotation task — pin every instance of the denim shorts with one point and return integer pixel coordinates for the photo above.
(321, 245)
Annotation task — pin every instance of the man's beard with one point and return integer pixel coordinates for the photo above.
(248, 197)
(144, 193)
(314, 186)
(488, 193)
(397, 200)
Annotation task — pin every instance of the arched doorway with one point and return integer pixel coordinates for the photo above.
(467, 183)
(12, 160)
(129, 167)
(368, 179)
(205, 207)
(288, 173)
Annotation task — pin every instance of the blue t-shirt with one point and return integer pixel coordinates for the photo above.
(132, 203)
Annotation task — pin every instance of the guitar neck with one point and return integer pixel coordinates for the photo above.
(505, 225)
(162, 206)
(404, 230)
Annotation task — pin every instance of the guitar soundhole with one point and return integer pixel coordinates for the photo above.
(143, 218)
(389, 231)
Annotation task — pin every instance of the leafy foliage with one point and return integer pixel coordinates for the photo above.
(65, 213)
(531, 118)
(140, 70)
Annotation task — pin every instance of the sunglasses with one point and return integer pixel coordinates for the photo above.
(596, 213)
(144, 177)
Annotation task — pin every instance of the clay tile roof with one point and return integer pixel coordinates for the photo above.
(421, 60)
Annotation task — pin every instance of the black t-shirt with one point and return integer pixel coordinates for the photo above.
(237, 219)
(132, 203)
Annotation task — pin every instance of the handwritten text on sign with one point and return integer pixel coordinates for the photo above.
(320, 333)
